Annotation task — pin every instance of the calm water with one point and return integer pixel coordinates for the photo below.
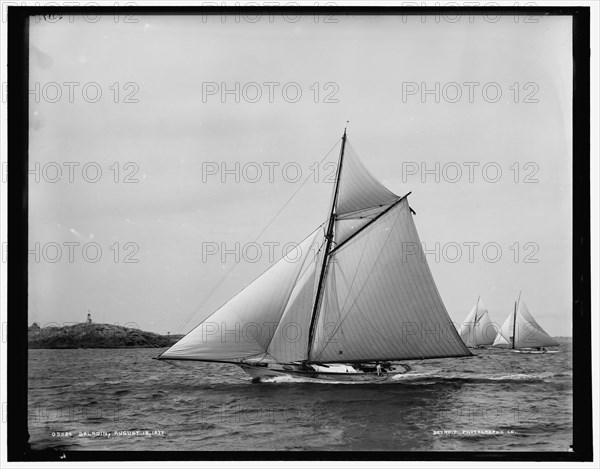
(525, 399)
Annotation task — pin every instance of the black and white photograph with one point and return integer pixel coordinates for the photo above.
(299, 232)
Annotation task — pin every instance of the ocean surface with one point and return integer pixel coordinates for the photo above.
(93, 399)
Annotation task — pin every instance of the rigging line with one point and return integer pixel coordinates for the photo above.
(226, 275)
(292, 196)
(363, 286)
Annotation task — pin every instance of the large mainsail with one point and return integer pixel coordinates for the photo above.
(477, 328)
(521, 330)
(363, 292)
(382, 300)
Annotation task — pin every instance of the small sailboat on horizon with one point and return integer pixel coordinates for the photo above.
(352, 300)
(477, 330)
(521, 332)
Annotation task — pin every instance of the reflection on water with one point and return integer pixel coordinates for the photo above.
(124, 400)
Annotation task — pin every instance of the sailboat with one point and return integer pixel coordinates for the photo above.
(477, 330)
(521, 332)
(354, 297)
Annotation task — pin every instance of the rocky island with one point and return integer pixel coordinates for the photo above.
(93, 335)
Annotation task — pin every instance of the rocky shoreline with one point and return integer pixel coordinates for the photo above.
(92, 335)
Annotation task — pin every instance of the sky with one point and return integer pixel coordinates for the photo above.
(159, 145)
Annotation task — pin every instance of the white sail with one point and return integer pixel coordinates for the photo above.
(361, 197)
(477, 328)
(290, 341)
(501, 341)
(380, 300)
(528, 333)
(245, 325)
(359, 190)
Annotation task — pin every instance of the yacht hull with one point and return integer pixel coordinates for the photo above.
(260, 373)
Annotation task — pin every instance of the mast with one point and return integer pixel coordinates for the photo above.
(477, 308)
(514, 325)
(329, 237)
(515, 321)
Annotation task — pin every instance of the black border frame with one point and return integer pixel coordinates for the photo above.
(18, 122)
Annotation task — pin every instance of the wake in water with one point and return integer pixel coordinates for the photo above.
(416, 377)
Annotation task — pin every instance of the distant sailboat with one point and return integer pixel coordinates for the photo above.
(522, 333)
(348, 301)
(477, 330)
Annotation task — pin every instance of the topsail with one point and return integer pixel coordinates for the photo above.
(360, 291)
